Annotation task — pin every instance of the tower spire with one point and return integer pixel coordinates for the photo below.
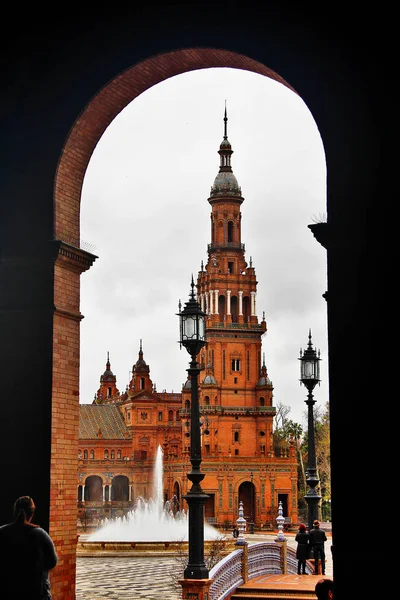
(225, 124)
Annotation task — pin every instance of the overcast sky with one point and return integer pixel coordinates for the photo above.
(145, 211)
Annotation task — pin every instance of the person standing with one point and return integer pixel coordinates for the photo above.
(27, 554)
(303, 547)
(317, 541)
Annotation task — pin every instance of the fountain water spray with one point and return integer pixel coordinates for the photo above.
(150, 520)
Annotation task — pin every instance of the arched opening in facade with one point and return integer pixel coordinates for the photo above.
(246, 309)
(221, 308)
(246, 494)
(93, 489)
(120, 488)
(234, 309)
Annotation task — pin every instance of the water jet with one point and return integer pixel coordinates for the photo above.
(150, 526)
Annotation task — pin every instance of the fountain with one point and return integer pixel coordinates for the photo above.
(150, 525)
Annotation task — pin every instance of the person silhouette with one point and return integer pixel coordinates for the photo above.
(303, 546)
(317, 541)
(27, 554)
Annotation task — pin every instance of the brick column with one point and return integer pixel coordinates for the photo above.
(70, 262)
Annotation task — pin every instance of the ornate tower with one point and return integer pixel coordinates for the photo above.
(227, 291)
(235, 390)
(108, 385)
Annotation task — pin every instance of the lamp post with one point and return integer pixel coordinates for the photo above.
(309, 377)
(192, 337)
(251, 528)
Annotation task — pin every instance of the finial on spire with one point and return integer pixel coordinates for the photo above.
(225, 124)
(192, 286)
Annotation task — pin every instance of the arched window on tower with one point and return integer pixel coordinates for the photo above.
(262, 401)
(221, 308)
(246, 309)
(234, 309)
(230, 231)
(142, 383)
(236, 436)
(109, 392)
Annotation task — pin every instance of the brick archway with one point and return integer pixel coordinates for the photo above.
(72, 260)
(109, 102)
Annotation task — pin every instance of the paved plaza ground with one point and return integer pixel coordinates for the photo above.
(150, 578)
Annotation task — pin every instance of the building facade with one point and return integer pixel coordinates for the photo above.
(119, 433)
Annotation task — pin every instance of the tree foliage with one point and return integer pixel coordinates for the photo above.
(286, 430)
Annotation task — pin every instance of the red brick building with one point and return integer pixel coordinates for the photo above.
(120, 433)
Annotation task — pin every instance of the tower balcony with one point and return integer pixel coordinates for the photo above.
(225, 246)
(232, 410)
(260, 327)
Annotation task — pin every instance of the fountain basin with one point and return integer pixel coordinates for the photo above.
(102, 548)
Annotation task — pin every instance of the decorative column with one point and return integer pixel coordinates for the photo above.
(253, 303)
(228, 302)
(216, 301)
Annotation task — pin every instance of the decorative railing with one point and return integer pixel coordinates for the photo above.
(227, 575)
(224, 325)
(264, 558)
(217, 408)
(246, 563)
(225, 245)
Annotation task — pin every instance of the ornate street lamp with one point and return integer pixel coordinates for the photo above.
(193, 338)
(309, 377)
(251, 528)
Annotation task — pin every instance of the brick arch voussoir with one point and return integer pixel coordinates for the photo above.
(108, 103)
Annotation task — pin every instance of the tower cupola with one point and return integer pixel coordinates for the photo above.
(141, 374)
(108, 384)
(225, 183)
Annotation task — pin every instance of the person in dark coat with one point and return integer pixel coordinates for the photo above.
(317, 541)
(303, 547)
(27, 554)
